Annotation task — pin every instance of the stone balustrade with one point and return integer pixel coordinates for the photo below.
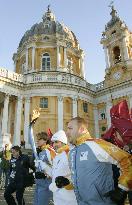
(99, 86)
(55, 77)
(11, 75)
(49, 76)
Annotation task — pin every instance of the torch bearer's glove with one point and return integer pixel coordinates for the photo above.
(61, 181)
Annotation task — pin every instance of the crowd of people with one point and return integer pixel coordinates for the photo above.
(72, 168)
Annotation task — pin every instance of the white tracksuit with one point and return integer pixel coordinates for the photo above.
(61, 168)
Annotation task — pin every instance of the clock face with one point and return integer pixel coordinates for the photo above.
(117, 75)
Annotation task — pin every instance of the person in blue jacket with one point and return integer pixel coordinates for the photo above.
(91, 167)
(46, 154)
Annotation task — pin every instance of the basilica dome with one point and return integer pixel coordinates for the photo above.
(49, 46)
(49, 26)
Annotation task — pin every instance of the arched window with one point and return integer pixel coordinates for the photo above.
(46, 62)
(117, 55)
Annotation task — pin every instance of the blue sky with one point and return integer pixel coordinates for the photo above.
(86, 18)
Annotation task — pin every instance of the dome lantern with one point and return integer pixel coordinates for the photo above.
(48, 16)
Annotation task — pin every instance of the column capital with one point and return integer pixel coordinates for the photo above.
(7, 95)
(33, 46)
(74, 98)
(109, 98)
(57, 44)
(27, 99)
(60, 98)
(95, 107)
(130, 95)
(19, 98)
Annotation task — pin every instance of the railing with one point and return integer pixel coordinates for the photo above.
(99, 86)
(11, 75)
(52, 77)
(55, 77)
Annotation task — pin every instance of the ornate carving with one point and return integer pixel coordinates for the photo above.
(19, 98)
(60, 98)
(74, 99)
(27, 99)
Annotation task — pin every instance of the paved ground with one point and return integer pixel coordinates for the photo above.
(28, 196)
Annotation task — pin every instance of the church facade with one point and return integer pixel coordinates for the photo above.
(49, 75)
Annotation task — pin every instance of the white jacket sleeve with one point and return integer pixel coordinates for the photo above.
(46, 168)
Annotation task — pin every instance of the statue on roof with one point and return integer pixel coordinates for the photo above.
(49, 8)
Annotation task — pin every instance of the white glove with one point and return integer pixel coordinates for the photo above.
(46, 168)
(37, 163)
(43, 167)
(40, 164)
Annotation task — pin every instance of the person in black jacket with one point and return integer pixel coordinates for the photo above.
(19, 170)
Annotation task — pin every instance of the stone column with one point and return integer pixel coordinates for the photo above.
(130, 103)
(60, 113)
(96, 121)
(58, 57)
(0, 129)
(125, 49)
(74, 106)
(9, 118)
(33, 57)
(108, 107)
(26, 59)
(17, 128)
(82, 65)
(26, 121)
(106, 57)
(5, 115)
(65, 57)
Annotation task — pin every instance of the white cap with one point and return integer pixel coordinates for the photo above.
(59, 136)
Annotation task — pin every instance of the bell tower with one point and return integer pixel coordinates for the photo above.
(117, 45)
